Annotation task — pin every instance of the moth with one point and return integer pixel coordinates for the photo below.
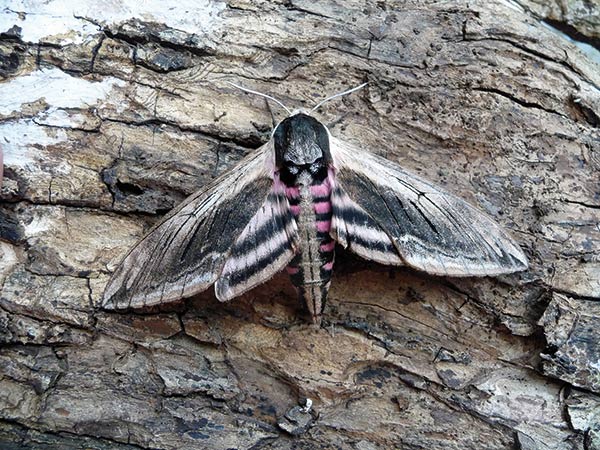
(287, 204)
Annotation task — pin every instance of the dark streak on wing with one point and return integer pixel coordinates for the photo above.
(356, 230)
(432, 230)
(263, 233)
(257, 266)
(424, 217)
(185, 252)
(266, 246)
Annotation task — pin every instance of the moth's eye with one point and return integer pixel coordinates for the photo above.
(315, 167)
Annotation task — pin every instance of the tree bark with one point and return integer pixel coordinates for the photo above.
(110, 115)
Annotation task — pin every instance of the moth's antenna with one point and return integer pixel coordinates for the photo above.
(339, 95)
(250, 91)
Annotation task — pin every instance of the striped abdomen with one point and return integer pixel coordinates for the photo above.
(310, 270)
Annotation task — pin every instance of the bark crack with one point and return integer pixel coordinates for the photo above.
(517, 100)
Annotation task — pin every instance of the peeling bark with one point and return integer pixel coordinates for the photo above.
(110, 117)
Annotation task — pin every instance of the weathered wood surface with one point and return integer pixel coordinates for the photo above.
(111, 114)
(575, 16)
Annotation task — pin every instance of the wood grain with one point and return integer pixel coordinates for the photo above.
(111, 115)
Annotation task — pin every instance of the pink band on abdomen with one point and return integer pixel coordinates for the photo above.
(322, 207)
(327, 247)
(324, 226)
(320, 190)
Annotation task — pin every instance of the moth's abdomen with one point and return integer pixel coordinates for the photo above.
(310, 270)
(322, 207)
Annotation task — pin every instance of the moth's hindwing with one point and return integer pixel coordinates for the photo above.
(186, 252)
(266, 246)
(356, 230)
(431, 230)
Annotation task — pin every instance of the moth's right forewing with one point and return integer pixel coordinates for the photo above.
(185, 252)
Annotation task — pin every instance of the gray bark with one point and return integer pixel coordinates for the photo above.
(111, 115)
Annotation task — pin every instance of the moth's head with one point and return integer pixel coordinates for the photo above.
(301, 141)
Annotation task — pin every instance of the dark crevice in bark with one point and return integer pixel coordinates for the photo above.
(588, 114)
(564, 62)
(95, 51)
(574, 295)
(519, 101)
(580, 203)
(573, 32)
(63, 127)
(290, 6)
(249, 142)
(150, 36)
(62, 435)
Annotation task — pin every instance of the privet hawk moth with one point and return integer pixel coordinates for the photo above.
(287, 204)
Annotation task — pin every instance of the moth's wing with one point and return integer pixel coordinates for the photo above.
(265, 246)
(357, 231)
(186, 252)
(385, 208)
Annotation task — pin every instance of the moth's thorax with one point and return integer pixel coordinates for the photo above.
(301, 140)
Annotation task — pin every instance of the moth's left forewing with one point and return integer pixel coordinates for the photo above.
(186, 251)
(431, 229)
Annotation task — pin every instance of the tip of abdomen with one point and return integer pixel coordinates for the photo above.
(316, 320)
